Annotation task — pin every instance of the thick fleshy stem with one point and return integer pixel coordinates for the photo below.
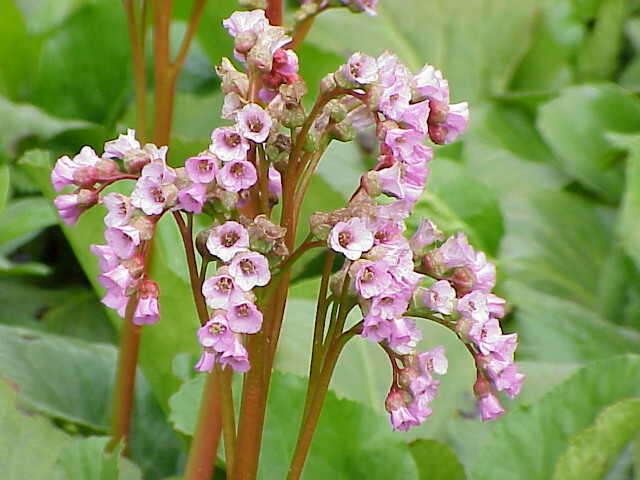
(204, 447)
(228, 418)
(124, 388)
(275, 11)
(310, 422)
(137, 36)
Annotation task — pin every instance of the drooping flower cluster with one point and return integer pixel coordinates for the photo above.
(229, 294)
(383, 270)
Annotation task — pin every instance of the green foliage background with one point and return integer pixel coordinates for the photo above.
(546, 180)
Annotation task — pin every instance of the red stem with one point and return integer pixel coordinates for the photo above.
(275, 11)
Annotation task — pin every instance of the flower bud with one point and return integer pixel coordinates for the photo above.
(438, 133)
(438, 112)
(371, 183)
(397, 399)
(145, 225)
(85, 176)
(320, 225)
(293, 115)
(87, 198)
(343, 132)
(107, 168)
(328, 83)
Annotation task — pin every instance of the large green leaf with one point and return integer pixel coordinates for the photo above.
(5, 185)
(455, 201)
(351, 441)
(599, 54)
(503, 149)
(85, 459)
(556, 243)
(436, 461)
(176, 332)
(511, 451)
(44, 15)
(18, 52)
(478, 57)
(29, 445)
(96, 68)
(575, 126)
(592, 451)
(628, 225)
(22, 120)
(22, 220)
(549, 62)
(556, 330)
(72, 381)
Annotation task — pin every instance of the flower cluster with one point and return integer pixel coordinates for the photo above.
(391, 279)
(385, 272)
(229, 294)
(462, 296)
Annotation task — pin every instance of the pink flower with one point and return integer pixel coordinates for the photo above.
(486, 335)
(415, 116)
(426, 235)
(119, 208)
(207, 360)
(395, 100)
(275, 182)
(237, 175)
(239, 23)
(215, 334)
(392, 303)
(122, 145)
(376, 328)
(496, 305)
(147, 311)
(221, 291)
(510, 381)
(419, 408)
(456, 252)
(123, 240)
(228, 144)
(107, 258)
(430, 84)
(402, 143)
(192, 198)
(490, 407)
(244, 318)
(117, 300)
(367, 6)
(81, 171)
(254, 123)
(69, 208)
(151, 197)
(231, 106)
(228, 239)
(440, 297)
(402, 419)
(118, 278)
(371, 278)
(433, 360)
(474, 307)
(404, 335)
(250, 269)
(361, 69)
(350, 238)
(201, 169)
(236, 356)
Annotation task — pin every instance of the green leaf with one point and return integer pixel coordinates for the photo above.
(556, 330)
(477, 57)
(72, 380)
(85, 459)
(22, 120)
(96, 68)
(575, 125)
(549, 62)
(436, 461)
(628, 225)
(23, 219)
(592, 451)
(511, 451)
(176, 332)
(44, 15)
(10, 268)
(504, 150)
(598, 55)
(455, 201)
(5, 185)
(351, 440)
(29, 445)
(556, 243)
(18, 53)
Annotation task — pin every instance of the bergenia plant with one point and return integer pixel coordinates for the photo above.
(250, 184)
